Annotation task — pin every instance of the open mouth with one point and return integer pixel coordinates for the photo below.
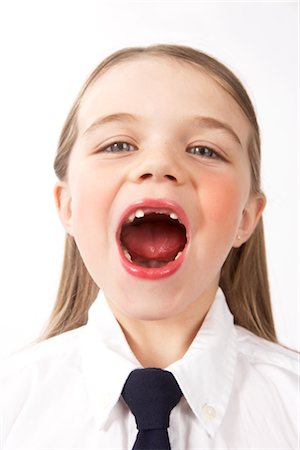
(153, 238)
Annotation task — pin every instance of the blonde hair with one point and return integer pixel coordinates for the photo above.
(244, 274)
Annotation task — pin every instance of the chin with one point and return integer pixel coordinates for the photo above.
(152, 306)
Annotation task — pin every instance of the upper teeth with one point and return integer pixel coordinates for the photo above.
(139, 213)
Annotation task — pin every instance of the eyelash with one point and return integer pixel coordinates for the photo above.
(201, 150)
(206, 152)
(115, 146)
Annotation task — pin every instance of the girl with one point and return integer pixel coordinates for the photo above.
(158, 189)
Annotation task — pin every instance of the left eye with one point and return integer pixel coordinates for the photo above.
(204, 151)
(118, 147)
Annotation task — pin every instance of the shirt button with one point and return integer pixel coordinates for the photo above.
(208, 412)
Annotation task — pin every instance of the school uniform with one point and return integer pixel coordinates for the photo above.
(239, 391)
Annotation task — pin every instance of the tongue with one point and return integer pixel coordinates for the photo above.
(159, 241)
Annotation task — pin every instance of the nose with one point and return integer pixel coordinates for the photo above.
(160, 167)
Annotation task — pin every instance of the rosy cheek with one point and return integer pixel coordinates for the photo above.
(86, 205)
(222, 199)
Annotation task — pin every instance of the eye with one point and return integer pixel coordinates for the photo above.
(204, 151)
(117, 147)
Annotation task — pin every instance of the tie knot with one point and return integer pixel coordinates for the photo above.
(151, 394)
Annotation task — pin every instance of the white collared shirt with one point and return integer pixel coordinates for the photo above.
(239, 391)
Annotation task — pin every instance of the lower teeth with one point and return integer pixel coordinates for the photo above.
(127, 255)
(177, 256)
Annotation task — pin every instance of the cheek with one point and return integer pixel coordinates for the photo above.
(224, 197)
(90, 204)
(221, 205)
(89, 222)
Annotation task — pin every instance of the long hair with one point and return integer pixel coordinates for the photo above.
(243, 278)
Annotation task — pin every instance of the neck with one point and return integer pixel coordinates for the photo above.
(159, 343)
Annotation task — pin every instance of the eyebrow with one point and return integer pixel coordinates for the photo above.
(117, 117)
(211, 123)
(198, 121)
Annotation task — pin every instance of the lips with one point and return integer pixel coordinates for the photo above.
(153, 236)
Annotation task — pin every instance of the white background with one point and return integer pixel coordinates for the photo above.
(48, 48)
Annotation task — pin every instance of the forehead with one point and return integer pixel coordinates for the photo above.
(160, 89)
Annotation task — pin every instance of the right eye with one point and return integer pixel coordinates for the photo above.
(117, 147)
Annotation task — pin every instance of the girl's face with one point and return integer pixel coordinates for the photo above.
(158, 139)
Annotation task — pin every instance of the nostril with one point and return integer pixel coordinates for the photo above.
(149, 175)
(146, 175)
(171, 177)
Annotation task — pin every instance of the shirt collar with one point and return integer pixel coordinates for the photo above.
(205, 373)
(106, 358)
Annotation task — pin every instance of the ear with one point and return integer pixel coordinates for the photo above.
(63, 201)
(250, 218)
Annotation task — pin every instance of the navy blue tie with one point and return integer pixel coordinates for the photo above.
(151, 394)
